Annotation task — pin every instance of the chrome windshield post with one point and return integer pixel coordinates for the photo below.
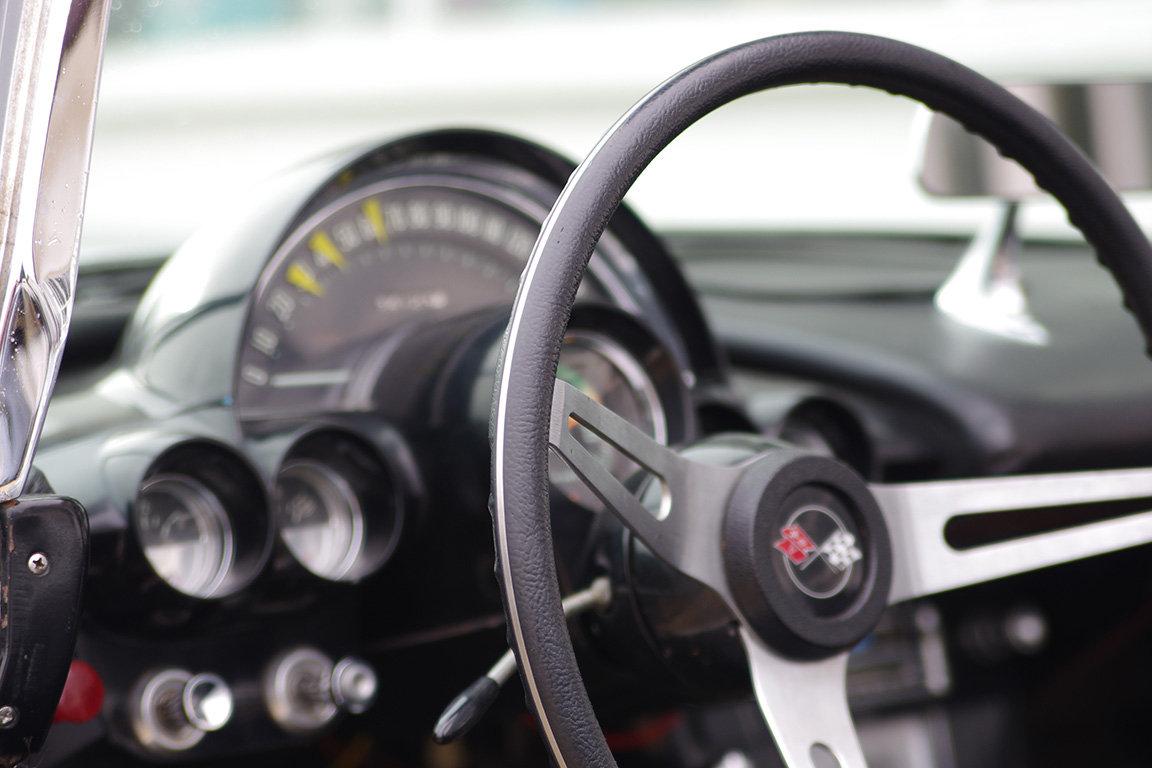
(50, 56)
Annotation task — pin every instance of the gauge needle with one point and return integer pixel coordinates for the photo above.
(564, 373)
(323, 378)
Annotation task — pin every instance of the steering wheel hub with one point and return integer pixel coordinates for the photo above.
(806, 553)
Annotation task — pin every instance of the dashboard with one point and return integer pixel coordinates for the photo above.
(294, 427)
(282, 444)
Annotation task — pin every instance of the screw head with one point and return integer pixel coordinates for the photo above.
(38, 564)
(9, 715)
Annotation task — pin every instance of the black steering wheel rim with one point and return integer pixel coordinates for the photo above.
(525, 565)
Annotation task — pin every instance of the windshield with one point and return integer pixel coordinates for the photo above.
(202, 98)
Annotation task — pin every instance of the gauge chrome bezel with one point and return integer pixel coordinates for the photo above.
(367, 479)
(646, 364)
(346, 499)
(241, 493)
(630, 368)
(205, 507)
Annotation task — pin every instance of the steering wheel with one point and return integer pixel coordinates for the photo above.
(745, 531)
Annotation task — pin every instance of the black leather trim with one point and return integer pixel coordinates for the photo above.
(520, 481)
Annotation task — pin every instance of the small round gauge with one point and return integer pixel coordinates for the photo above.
(603, 369)
(377, 265)
(185, 533)
(338, 505)
(320, 518)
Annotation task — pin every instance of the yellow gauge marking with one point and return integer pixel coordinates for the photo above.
(375, 217)
(324, 248)
(301, 277)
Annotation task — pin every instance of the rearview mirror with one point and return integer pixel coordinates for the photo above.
(1112, 123)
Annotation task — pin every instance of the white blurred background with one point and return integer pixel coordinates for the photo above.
(203, 98)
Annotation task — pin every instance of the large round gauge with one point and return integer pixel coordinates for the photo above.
(376, 265)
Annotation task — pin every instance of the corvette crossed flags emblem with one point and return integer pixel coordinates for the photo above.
(839, 550)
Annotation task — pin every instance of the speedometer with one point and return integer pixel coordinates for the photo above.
(386, 259)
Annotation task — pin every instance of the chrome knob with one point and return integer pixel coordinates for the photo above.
(207, 702)
(173, 709)
(298, 690)
(354, 685)
(304, 689)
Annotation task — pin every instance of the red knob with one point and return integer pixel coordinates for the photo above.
(83, 695)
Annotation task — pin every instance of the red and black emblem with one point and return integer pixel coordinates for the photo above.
(820, 551)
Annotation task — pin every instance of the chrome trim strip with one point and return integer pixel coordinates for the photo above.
(47, 137)
(501, 415)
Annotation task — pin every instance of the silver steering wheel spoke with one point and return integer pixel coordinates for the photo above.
(684, 529)
(805, 704)
(1112, 510)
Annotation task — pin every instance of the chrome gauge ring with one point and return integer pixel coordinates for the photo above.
(338, 506)
(199, 521)
(602, 369)
(186, 534)
(320, 518)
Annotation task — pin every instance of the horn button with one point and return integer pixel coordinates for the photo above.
(806, 553)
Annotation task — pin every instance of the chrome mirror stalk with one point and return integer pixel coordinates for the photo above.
(984, 291)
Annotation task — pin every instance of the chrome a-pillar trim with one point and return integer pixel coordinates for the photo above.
(53, 64)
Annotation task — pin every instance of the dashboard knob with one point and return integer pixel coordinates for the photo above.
(304, 689)
(354, 685)
(298, 690)
(173, 709)
(207, 702)
(83, 696)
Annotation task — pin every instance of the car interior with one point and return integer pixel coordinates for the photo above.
(335, 440)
